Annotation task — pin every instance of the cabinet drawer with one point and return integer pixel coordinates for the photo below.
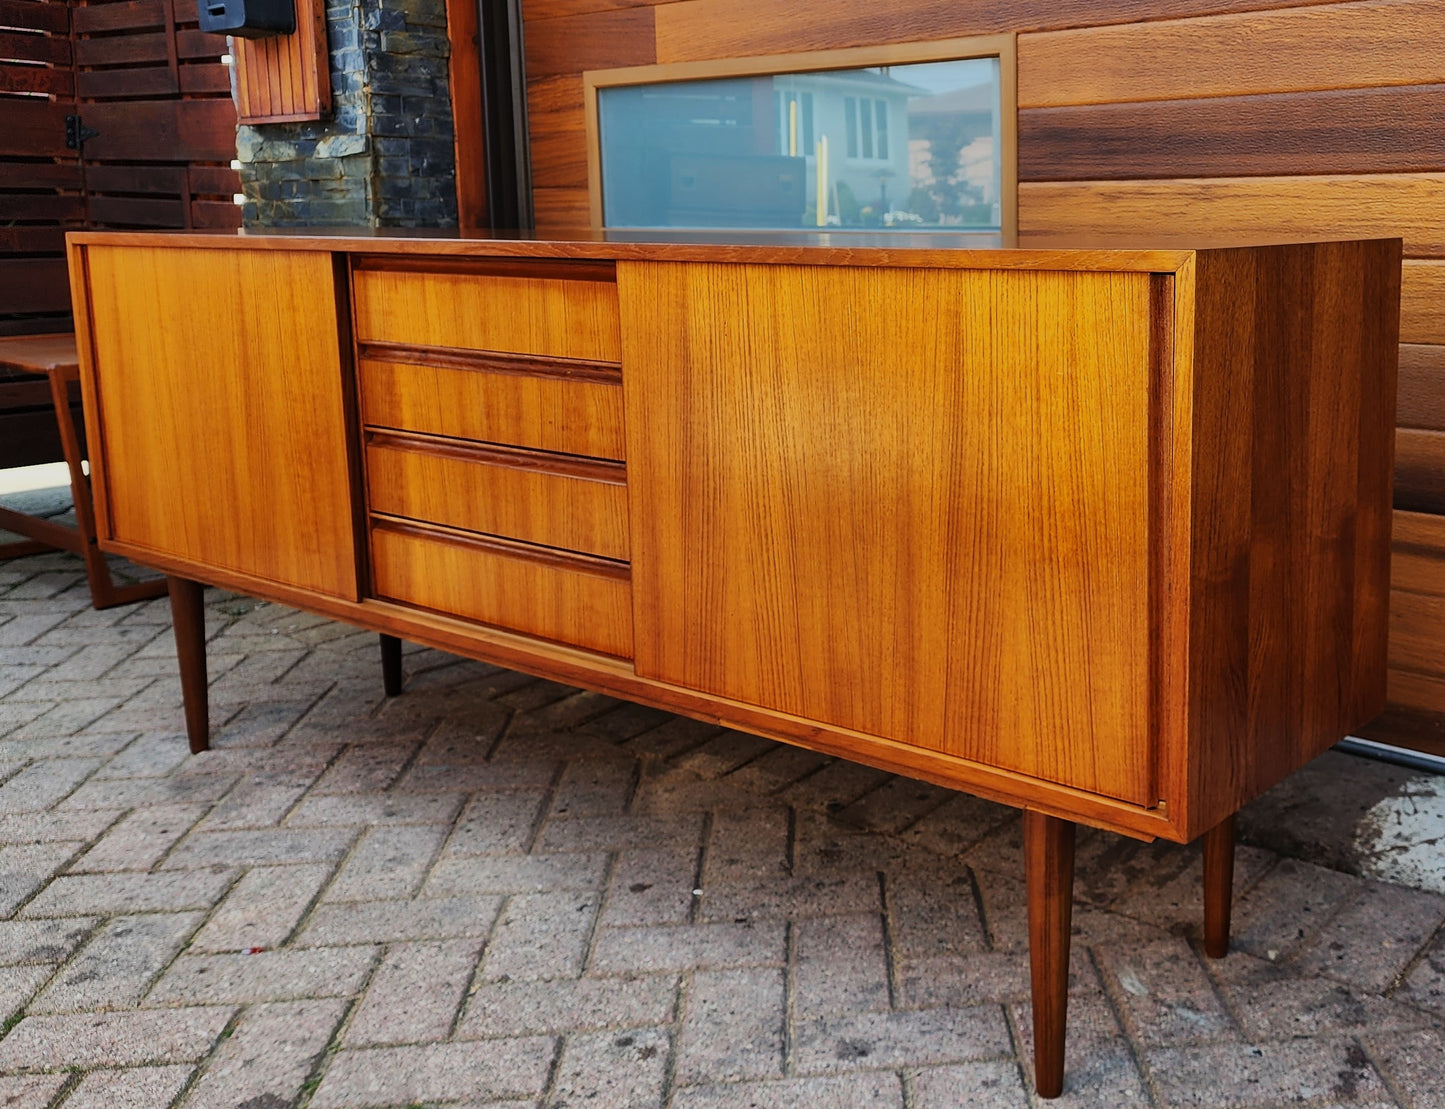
(568, 598)
(496, 403)
(578, 504)
(546, 315)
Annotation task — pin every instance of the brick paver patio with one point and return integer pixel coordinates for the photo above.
(495, 890)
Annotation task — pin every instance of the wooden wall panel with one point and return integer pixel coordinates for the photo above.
(285, 78)
(1335, 131)
(464, 79)
(41, 185)
(1414, 692)
(152, 89)
(696, 30)
(593, 41)
(561, 209)
(1422, 387)
(47, 18)
(1422, 303)
(1329, 46)
(1420, 470)
(1415, 623)
(1331, 206)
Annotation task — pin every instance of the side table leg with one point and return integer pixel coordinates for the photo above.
(1049, 870)
(391, 680)
(188, 621)
(1218, 887)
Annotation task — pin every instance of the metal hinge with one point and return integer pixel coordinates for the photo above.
(76, 132)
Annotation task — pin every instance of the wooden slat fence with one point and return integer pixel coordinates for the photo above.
(140, 74)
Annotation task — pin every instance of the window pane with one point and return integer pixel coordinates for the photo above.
(909, 147)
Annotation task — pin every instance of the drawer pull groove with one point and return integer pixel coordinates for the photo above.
(500, 454)
(496, 362)
(544, 269)
(513, 548)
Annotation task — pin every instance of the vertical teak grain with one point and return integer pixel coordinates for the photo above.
(215, 380)
(920, 497)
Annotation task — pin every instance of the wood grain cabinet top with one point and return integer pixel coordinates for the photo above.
(1098, 529)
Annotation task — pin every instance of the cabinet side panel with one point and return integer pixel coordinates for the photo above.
(218, 376)
(912, 503)
(1294, 400)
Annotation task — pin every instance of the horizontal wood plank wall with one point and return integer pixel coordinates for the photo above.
(1260, 116)
(156, 103)
(285, 78)
(41, 185)
(1417, 613)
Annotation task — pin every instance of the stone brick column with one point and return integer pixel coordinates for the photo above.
(384, 156)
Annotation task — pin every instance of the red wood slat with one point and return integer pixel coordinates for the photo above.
(162, 131)
(20, 47)
(279, 103)
(135, 179)
(36, 325)
(197, 44)
(34, 285)
(283, 78)
(30, 240)
(122, 50)
(32, 16)
(133, 15)
(134, 211)
(1420, 470)
(54, 207)
(1383, 130)
(172, 61)
(34, 129)
(114, 84)
(213, 214)
(288, 80)
(214, 78)
(50, 80)
(40, 175)
(215, 181)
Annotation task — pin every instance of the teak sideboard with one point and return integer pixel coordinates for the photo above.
(1099, 532)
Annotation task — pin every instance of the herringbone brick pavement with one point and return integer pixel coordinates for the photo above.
(495, 890)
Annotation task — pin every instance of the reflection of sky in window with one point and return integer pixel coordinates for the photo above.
(939, 77)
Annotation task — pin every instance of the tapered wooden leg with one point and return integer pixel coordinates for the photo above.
(391, 664)
(188, 621)
(1049, 868)
(1218, 887)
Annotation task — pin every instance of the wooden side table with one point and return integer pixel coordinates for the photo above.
(27, 364)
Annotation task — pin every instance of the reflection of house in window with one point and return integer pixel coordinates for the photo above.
(901, 146)
(860, 112)
(867, 123)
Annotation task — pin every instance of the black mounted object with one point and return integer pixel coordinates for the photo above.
(77, 132)
(251, 19)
